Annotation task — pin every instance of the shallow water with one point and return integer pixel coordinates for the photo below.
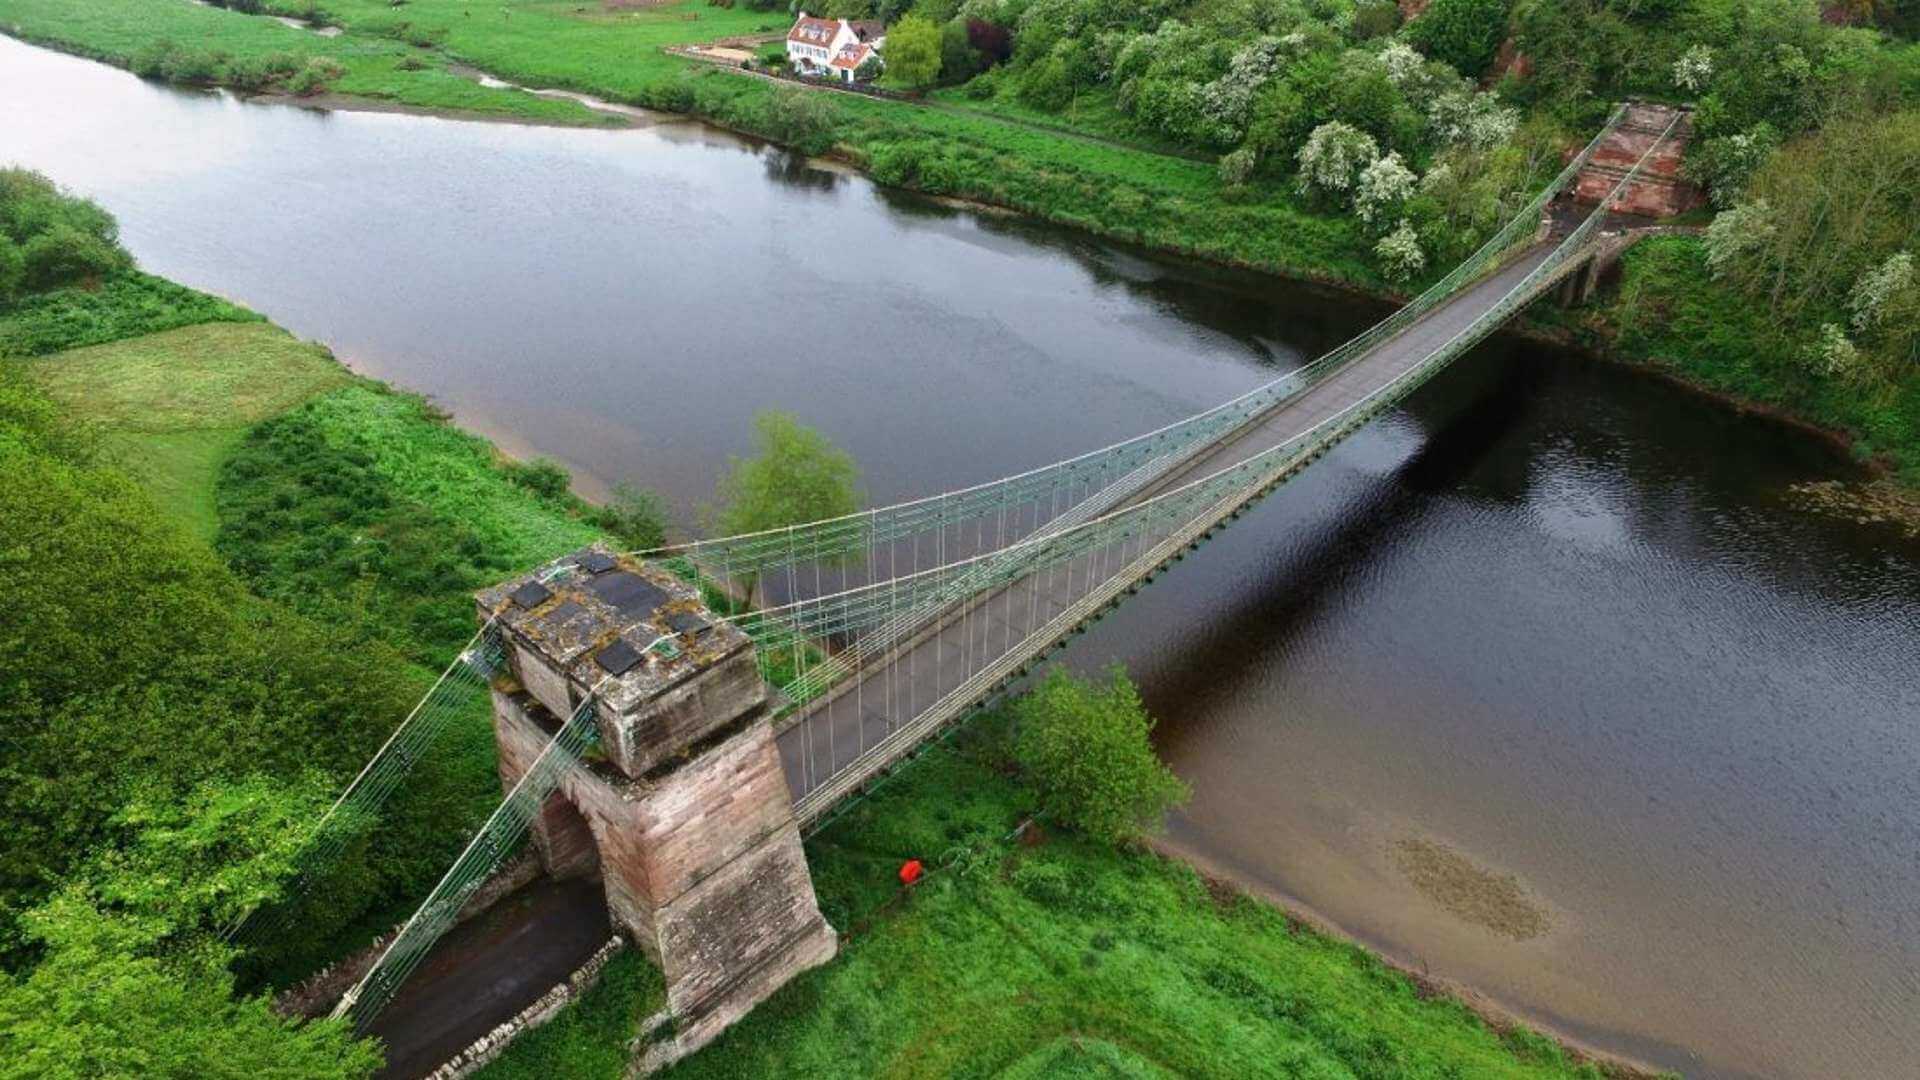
(1557, 617)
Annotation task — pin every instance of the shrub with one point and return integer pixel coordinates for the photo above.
(1237, 167)
(542, 476)
(64, 255)
(636, 516)
(1463, 33)
(1086, 752)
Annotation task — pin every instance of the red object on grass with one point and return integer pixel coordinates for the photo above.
(910, 871)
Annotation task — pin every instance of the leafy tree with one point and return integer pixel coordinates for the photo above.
(637, 516)
(132, 981)
(1085, 749)
(796, 476)
(913, 50)
(958, 58)
(197, 680)
(1464, 33)
(13, 270)
(991, 40)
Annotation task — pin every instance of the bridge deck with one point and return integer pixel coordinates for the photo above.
(830, 734)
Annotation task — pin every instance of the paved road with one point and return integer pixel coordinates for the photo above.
(825, 740)
(488, 969)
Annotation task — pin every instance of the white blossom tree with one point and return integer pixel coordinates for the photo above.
(1694, 70)
(1737, 233)
(1333, 157)
(1878, 290)
(1399, 252)
(1384, 186)
(1832, 353)
(1403, 62)
(1478, 120)
(1228, 98)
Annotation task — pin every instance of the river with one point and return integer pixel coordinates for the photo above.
(1545, 683)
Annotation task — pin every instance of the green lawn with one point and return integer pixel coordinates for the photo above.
(376, 67)
(172, 405)
(1061, 958)
(551, 43)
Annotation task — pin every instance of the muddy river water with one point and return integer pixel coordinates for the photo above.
(1548, 683)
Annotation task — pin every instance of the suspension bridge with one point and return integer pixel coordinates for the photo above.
(773, 676)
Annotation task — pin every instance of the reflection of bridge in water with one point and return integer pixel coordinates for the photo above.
(873, 631)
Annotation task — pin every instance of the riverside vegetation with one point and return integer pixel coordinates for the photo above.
(284, 551)
(1326, 139)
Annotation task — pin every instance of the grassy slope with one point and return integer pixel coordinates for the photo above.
(174, 403)
(1064, 958)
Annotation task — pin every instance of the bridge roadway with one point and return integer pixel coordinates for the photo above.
(820, 743)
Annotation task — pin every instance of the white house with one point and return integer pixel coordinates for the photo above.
(833, 47)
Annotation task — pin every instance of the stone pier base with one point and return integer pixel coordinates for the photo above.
(681, 810)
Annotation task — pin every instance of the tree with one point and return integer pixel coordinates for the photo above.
(1085, 750)
(1464, 33)
(1400, 253)
(913, 50)
(134, 981)
(13, 269)
(1333, 157)
(637, 516)
(797, 476)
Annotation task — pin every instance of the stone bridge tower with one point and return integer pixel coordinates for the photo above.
(681, 809)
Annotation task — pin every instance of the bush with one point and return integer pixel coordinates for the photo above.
(637, 517)
(1086, 752)
(542, 476)
(64, 255)
(1463, 33)
(125, 305)
(1375, 19)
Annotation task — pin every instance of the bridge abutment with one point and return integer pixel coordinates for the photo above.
(681, 808)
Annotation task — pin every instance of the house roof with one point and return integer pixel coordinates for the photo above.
(867, 29)
(851, 56)
(809, 30)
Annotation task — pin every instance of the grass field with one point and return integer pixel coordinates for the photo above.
(374, 66)
(172, 405)
(1061, 958)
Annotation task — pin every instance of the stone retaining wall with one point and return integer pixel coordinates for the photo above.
(495, 1042)
(317, 993)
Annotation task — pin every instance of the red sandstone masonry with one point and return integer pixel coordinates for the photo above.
(688, 819)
